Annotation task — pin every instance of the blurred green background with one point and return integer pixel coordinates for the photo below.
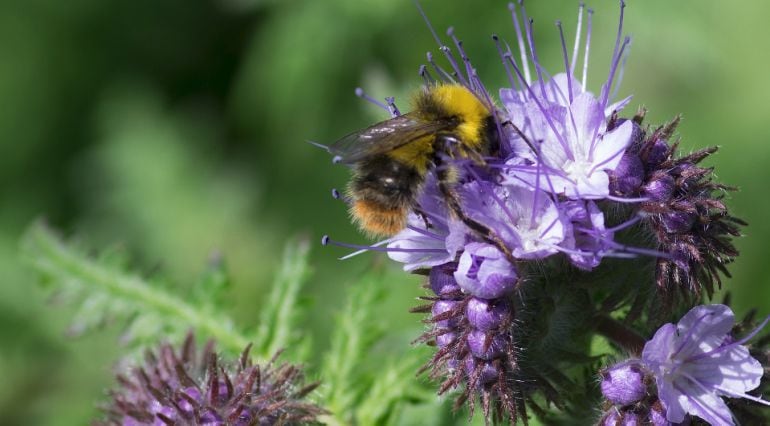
(178, 128)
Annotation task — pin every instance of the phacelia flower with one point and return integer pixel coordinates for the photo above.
(185, 387)
(514, 238)
(697, 362)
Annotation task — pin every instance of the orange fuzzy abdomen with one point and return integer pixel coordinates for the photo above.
(377, 219)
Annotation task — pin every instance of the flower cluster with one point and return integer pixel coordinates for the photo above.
(693, 365)
(524, 255)
(187, 388)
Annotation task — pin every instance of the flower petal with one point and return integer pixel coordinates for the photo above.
(703, 329)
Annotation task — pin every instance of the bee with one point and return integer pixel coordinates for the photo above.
(391, 159)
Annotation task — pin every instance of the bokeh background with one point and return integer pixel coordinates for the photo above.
(178, 128)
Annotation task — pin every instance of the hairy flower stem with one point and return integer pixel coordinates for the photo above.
(619, 334)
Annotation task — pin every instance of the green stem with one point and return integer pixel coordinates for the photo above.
(618, 333)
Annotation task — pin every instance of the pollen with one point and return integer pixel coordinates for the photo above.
(378, 220)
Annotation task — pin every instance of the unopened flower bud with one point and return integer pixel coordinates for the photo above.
(486, 314)
(486, 346)
(660, 187)
(624, 383)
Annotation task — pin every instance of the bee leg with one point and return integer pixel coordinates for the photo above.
(486, 234)
(418, 211)
(522, 136)
(453, 203)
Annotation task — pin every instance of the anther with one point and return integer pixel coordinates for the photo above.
(392, 106)
(361, 94)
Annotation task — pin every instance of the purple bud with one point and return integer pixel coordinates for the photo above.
(184, 403)
(620, 418)
(677, 222)
(442, 306)
(624, 383)
(657, 415)
(628, 175)
(657, 153)
(483, 271)
(488, 371)
(487, 315)
(445, 339)
(660, 187)
(210, 418)
(484, 348)
(442, 280)
(681, 255)
(172, 385)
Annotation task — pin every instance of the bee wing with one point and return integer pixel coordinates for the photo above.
(383, 137)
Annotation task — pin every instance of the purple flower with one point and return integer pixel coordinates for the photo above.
(185, 388)
(590, 239)
(483, 271)
(529, 222)
(422, 243)
(696, 362)
(572, 148)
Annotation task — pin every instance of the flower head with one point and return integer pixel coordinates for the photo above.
(187, 388)
(696, 363)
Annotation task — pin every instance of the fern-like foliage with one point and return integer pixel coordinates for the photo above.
(104, 292)
(354, 391)
(360, 384)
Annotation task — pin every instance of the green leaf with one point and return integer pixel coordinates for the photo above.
(106, 293)
(281, 313)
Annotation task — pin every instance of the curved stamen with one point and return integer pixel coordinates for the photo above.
(615, 56)
(587, 49)
(566, 61)
(578, 31)
(622, 70)
(441, 72)
(361, 94)
(325, 240)
(500, 53)
(427, 22)
(547, 116)
(319, 145)
(426, 233)
(426, 77)
(339, 196)
(454, 64)
(627, 200)
(392, 108)
(731, 393)
(522, 50)
(528, 27)
(463, 56)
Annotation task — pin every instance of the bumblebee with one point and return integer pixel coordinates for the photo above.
(391, 159)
